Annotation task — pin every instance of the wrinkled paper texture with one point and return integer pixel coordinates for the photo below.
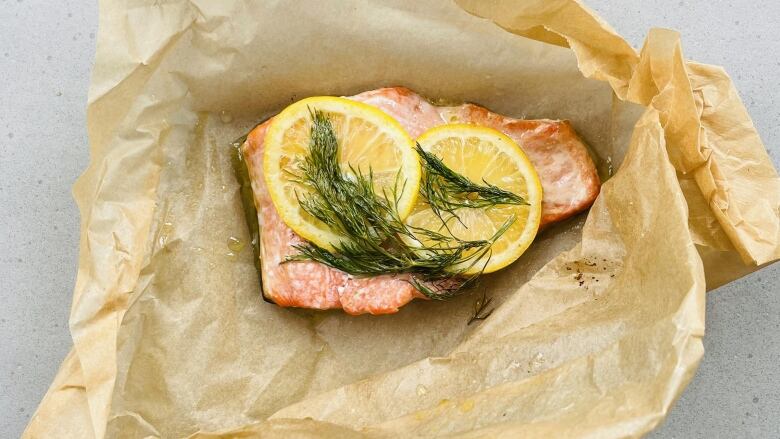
(597, 328)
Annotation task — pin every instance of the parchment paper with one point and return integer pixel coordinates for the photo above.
(597, 328)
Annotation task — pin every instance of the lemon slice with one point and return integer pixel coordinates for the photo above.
(481, 153)
(368, 139)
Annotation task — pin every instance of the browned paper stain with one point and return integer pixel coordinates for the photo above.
(598, 326)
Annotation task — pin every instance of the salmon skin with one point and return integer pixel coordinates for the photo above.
(567, 173)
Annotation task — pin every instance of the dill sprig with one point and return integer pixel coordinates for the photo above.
(481, 311)
(376, 240)
(446, 191)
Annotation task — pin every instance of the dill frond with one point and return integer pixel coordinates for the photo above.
(446, 191)
(481, 310)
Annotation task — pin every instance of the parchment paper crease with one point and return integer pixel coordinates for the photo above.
(597, 328)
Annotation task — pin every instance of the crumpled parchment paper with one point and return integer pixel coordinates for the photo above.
(597, 328)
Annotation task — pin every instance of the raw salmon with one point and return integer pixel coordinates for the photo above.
(567, 173)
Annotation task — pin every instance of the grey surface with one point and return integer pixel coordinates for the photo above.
(46, 51)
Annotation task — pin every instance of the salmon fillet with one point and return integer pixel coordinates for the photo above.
(567, 173)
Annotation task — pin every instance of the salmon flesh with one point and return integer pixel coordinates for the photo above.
(567, 173)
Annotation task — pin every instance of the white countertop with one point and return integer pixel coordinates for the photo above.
(46, 51)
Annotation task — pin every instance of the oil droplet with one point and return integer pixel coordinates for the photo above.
(235, 245)
(225, 117)
(165, 231)
(467, 405)
(421, 390)
(537, 361)
(223, 187)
